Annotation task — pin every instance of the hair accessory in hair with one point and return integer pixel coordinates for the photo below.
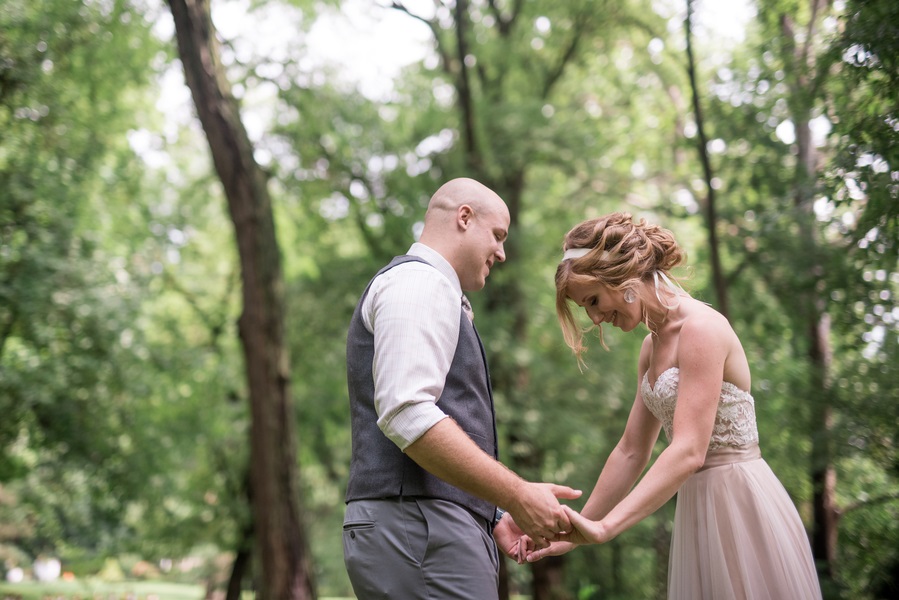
(576, 253)
(672, 286)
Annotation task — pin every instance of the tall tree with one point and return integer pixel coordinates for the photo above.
(861, 182)
(710, 208)
(788, 251)
(810, 251)
(507, 64)
(281, 546)
(799, 46)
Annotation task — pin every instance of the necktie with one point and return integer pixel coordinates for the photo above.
(466, 306)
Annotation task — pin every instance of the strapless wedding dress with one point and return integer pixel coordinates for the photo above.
(737, 534)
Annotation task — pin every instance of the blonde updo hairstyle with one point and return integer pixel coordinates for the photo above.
(622, 254)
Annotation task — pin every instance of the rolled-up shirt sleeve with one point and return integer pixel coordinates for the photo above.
(413, 312)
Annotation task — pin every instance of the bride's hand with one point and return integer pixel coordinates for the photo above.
(584, 531)
(532, 554)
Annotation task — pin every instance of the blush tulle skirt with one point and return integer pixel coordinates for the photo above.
(738, 536)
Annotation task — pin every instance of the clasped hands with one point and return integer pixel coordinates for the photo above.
(539, 526)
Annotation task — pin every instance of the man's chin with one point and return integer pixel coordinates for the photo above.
(475, 286)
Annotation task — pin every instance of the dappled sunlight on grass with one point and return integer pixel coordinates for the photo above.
(88, 589)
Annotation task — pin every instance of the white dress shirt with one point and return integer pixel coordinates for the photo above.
(413, 311)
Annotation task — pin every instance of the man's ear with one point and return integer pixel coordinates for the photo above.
(464, 216)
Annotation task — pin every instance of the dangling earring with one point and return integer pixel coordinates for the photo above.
(630, 297)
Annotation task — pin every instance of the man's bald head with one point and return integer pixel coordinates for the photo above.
(446, 201)
(467, 223)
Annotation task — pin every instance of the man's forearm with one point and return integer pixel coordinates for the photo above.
(446, 451)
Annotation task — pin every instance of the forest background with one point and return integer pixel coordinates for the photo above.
(175, 285)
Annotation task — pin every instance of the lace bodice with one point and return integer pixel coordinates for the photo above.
(734, 424)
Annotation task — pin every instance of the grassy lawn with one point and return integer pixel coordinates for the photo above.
(96, 590)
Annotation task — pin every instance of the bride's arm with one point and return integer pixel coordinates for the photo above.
(622, 468)
(702, 351)
(631, 454)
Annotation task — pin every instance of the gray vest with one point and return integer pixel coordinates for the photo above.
(378, 468)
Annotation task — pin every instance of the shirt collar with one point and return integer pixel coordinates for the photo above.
(436, 260)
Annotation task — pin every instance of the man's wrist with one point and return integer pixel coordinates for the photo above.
(498, 515)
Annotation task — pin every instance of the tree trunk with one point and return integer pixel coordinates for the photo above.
(817, 326)
(504, 297)
(285, 569)
(661, 542)
(241, 564)
(813, 307)
(548, 581)
(824, 476)
(503, 577)
(710, 204)
(547, 576)
(617, 568)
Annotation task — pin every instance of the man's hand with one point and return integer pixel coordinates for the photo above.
(537, 511)
(508, 536)
(583, 531)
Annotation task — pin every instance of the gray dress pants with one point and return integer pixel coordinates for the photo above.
(419, 549)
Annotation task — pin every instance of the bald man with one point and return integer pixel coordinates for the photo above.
(427, 498)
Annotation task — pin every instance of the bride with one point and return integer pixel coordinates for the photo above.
(736, 534)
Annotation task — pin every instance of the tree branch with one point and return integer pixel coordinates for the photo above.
(445, 58)
(505, 24)
(555, 74)
(883, 499)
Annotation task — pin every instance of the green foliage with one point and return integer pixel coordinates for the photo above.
(64, 110)
(104, 372)
(866, 139)
(804, 247)
(124, 409)
(56, 325)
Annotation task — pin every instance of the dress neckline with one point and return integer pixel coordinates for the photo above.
(652, 387)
